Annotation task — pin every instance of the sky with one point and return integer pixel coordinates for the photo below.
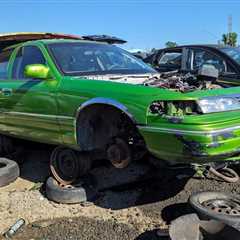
(145, 24)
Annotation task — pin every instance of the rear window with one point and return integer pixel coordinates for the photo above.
(4, 60)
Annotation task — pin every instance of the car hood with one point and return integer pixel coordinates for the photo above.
(153, 93)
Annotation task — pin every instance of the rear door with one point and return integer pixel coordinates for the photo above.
(30, 105)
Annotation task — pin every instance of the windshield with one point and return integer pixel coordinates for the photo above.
(96, 59)
(234, 53)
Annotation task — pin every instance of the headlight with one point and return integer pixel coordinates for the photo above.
(219, 104)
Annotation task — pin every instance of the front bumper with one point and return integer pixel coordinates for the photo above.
(189, 146)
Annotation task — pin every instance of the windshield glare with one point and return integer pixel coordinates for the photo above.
(234, 53)
(96, 59)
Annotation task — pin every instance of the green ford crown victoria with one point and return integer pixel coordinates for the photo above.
(93, 97)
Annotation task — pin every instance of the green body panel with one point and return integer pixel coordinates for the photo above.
(46, 111)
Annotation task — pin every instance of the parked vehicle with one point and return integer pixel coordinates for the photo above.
(93, 97)
(191, 58)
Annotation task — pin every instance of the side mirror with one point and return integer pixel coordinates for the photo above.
(37, 71)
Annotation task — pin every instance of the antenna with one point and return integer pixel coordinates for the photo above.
(229, 29)
(229, 24)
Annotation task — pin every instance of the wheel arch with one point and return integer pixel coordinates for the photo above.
(99, 102)
(105, 101)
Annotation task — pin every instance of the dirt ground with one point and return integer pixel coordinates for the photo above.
(133, 203)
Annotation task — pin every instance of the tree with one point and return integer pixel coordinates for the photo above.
(230, 39)
(170, 44)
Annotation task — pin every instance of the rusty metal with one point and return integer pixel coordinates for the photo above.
(223, 206)
(223, 174)
(14, 228)
(64, 165)
(9, 39)
(119, 154)
(67, 165)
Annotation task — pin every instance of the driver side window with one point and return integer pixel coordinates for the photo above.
(26, 56)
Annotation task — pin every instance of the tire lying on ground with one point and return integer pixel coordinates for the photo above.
(218, 206)
(76, 193)
(9, 171)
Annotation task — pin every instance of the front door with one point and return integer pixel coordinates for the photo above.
(30, 106)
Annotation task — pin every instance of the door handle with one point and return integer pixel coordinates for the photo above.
(6, 92)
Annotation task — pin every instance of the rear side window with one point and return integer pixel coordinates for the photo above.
(26, 56)
(4, 60)
(201, 57)
(171, 58)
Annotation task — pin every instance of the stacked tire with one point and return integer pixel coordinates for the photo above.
(9, 171)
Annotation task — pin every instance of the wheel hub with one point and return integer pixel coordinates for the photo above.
(119, 154)
(223, 206)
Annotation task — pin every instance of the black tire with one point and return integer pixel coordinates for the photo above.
(218, 208)
(69, 193)
(9, 171)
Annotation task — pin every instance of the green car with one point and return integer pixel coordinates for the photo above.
(92, 98)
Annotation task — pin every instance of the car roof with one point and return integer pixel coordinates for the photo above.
(13, 39)
(215, 46)
(9, 39)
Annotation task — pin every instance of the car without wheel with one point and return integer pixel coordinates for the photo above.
(95, 100)
(190, 58)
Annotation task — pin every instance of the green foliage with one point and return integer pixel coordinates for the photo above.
(230, 39)
(170, 44)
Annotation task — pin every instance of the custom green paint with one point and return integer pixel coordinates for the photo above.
(45, 110)
(37, 71)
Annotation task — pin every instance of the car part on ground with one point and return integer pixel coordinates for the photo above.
(190, 227)
(68, 165)
(226, 174)
(14, 228)
(218, 206)
(75, 193)
(9, 171)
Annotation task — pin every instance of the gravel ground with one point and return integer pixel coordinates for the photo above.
(131, 209)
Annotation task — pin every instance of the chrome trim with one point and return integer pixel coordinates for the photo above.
(39, 115)
(235, 95)
(107, 101)
(189, 132)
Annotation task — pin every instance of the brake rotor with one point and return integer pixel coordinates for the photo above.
(223, 206)
(119, 154)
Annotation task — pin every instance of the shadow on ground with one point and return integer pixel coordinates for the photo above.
(139, 184)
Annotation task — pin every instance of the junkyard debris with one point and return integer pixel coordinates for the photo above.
(228, 171)
(14, 228)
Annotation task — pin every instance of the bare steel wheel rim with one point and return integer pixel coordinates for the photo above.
(223, 206)
(64, 165)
